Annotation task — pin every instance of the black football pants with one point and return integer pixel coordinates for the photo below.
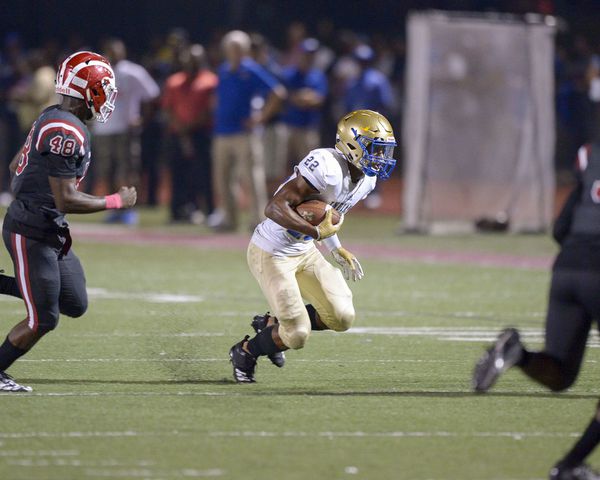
(49, 283)
(573, 306)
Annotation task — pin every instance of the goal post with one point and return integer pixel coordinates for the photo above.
(478, 131)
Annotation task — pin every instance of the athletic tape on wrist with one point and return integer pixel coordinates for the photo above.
(113, 201)
(332, 243)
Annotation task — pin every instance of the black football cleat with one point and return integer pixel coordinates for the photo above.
(505, 353)
(580, 472)
(259, 323)
(244, 364)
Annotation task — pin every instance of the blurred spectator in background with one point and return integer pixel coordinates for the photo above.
(240, 79)
(307, 90)
(188, 102)
(268, 141)
(10, 137)
(116, 146)
(35, 89)
(161, 60)
(370, 89)
(295, 34)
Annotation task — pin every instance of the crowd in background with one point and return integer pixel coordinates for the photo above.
(234, 115)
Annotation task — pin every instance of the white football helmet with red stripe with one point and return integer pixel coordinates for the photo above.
(89, 77)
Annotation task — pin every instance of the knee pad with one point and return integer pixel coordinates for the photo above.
(47, 321)
(294, 339)
(75, 310)
(344, 319)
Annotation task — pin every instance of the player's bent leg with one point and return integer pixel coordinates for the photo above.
(9, 286)
(38, 278)
(73, 299)
(567, 328)
(276, 276)
(550, 371)
(324, 287)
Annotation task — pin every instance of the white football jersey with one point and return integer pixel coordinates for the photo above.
(327, 170)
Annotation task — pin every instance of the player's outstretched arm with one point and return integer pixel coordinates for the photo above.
(69, 200)
(280, 208)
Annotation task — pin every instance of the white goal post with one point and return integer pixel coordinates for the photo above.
(478, 132)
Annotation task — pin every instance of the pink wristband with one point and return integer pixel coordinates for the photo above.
(113, 201)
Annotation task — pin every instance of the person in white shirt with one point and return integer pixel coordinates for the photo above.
(282, 255)
(117, 147)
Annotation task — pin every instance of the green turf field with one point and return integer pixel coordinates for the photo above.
(141, 387)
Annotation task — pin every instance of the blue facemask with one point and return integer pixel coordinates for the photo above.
(377, 159)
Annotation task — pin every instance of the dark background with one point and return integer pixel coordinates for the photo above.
(137, 22)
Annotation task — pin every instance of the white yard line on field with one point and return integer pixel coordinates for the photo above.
(39, 453)
(396, 434)
(158, 474)
(224, 359)
(291, 434)
(152, 297)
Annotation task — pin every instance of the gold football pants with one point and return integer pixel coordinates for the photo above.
(286, 281)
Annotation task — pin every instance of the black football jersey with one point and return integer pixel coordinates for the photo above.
(58, 145)
(577, 228)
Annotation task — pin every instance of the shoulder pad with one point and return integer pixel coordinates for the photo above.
(60, 137)
(321, 169)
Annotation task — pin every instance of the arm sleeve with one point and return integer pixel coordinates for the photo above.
(319, 171)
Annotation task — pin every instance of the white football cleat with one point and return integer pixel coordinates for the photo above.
(7, 384)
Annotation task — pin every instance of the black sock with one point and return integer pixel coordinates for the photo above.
(9, 354)
(313, 315)
(547, 370)
(585, 445)
(263, 343)
(8, 286)
(524, 360)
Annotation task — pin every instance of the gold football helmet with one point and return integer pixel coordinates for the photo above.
(366, 139)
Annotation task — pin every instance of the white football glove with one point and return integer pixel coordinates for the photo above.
(349, 264)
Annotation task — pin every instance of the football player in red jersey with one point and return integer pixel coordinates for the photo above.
(45, 177)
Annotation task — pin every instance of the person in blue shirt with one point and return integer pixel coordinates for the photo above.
(307, 88)
(240, 80)
(371, 89)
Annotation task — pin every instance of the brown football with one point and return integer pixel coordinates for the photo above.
(313, 211)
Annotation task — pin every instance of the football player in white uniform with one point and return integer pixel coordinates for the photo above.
(282, 255)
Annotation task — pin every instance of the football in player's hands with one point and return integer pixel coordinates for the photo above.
(313, 211)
